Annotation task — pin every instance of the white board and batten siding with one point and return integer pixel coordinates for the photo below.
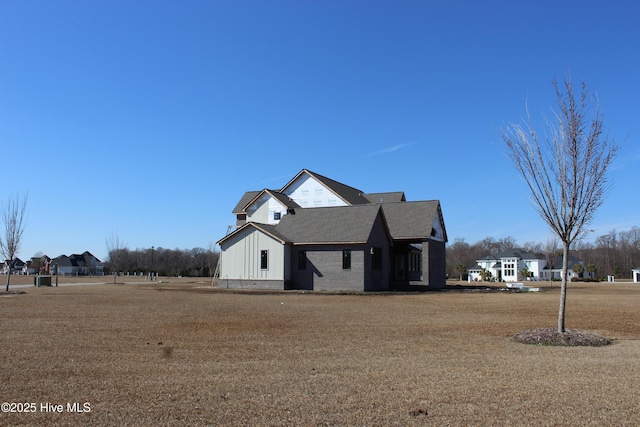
(240, 257)
(310, 193)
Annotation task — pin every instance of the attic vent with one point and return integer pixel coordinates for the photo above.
(433, 232)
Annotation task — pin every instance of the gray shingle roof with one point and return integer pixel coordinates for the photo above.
(412, 220)
(351, 195)
(353, 224)
(405, 220)
(519, 253)
(244, 201)
(265, 228)
(270, 229)
(395, 196)
(340, 224)
(556, 262)
(76, 260)
(250, 196)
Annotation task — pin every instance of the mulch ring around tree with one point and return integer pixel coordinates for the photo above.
(551, 336)
(4, 293)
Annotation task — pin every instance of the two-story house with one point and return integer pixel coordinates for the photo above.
(84, 264)
(318, 234)
(14, 266)
(37, 265)
(510, 265)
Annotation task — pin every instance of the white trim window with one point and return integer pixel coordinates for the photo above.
(509, 267)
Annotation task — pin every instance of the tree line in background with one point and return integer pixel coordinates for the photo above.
(196, 262)
(613, 254)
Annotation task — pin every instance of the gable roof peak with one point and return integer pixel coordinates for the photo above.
(350, 195)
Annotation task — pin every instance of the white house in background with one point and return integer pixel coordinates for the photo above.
(508, 266)
(15, 265)
(84, 264)
(635, 273)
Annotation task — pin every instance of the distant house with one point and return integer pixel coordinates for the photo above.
(37, 265)
(15, 266)
(85, 264)
(509, 265)
(635, 273)
(319, 234)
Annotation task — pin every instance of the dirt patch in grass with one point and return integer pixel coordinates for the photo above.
(550, 336)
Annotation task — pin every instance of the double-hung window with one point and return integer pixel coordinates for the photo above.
(264, 259)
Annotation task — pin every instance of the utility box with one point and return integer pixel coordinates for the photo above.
(42, 281)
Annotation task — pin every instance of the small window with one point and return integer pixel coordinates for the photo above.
(346, 259)
(302, 260)
(264, 259)
(276, 215)
(414, 262)
(376, 258)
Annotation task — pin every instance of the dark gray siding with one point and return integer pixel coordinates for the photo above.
(377, 279)
(434, 264)
(324, 270)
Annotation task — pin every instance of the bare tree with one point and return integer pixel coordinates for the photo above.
(565, 169)
(117, 252)
(14, 217)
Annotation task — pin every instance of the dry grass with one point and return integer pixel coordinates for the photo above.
(186, 354)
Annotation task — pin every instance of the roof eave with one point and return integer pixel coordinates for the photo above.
(326, 243)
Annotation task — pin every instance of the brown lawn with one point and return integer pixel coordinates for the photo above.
(181, 353)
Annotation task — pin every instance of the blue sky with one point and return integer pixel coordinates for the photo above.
(149, 119)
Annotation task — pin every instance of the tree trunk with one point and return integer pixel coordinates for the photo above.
(8, 277)
(563, 288)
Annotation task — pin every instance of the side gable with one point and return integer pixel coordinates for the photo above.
(310, 189)
(415, 220)
(244, 251)
(268, 230)
(267, 203)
